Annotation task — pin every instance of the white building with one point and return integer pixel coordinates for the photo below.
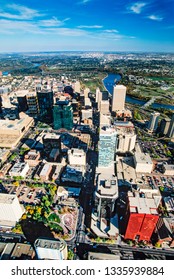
(126, 137)
(153, 123)
(77, 157)
(143, 163)
(19, 169)
(87, 102)
(104, 107)
(105, 120)
(85, 92)
(10, 210)
(51, 249)
(86, 114)
(77, 86)
(171, 128)
(98, 98)
(118, 98)
(45, 172)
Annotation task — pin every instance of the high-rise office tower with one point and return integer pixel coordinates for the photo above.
(118, 98)
(32, 103)
(63, 115)
(164, 126)
(107, 144)
(22, 102)
(153, 123)
(86, 92)
(171, 128)
(77, 87)
(45, 102)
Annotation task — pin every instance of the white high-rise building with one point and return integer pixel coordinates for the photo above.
(153, 123)
(118, 98)
(10, 210)
(104, 107)
(171, 128)
(98, 98)
(77, 86)
(85, 92)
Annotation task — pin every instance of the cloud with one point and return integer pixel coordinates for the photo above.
(14, 27)
(111, 31)
(156, 18)
(14, 11)
(90, 26)
(137, 7)
(83, 2)
(53, 22)
(111, 35)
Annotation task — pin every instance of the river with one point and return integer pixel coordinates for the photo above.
(112, 79)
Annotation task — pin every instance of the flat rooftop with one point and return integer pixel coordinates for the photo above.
(141, 205)
(106, 181)
(22, 250)
(49, 244)
(51, 136)
(125, 169)
(122, 124)
(19, 166)
(45, 169)
(7, 198)
(143, 158)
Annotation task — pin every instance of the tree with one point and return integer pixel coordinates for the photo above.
(70, 254)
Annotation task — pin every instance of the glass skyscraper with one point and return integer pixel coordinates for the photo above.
(63, 115)
(45, 102)
(107, 144)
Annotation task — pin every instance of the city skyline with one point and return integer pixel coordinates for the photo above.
(86, 25)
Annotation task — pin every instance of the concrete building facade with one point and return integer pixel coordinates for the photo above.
(10, 210)
(153, 123)
(118, 98)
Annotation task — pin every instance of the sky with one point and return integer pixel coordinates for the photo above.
(86, 25)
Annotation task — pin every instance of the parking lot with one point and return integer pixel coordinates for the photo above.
(155, 149)
(159, 181)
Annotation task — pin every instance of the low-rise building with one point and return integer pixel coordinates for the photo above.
(32, 158)
(73, 174)
(164, 232)
(4, 154)
(140, 217)
(143, 162)
(168, 169)
(51, 249)
(77, 157)
(19, 169)
(45, 172)
(11, 131)
(18, 251)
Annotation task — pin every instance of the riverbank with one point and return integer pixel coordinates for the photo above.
(109, 82)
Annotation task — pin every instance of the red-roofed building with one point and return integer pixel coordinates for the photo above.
(142, 217)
